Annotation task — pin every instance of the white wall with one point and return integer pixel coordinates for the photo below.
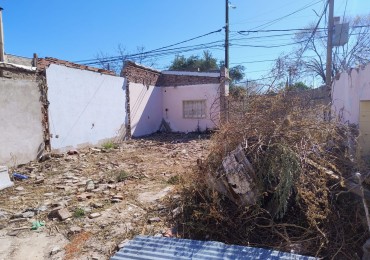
(85, 107)
(21, 135)
(173, 98)
(145, 109)
(351, 88)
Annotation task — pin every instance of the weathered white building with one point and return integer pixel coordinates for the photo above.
(351, 101)
(183, 101)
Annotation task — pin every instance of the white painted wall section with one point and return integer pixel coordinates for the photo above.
(173, 98)
(85, 108)
(145, 109)
(351, 88)
(21, 135)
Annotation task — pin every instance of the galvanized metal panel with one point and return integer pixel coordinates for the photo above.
(161, 248)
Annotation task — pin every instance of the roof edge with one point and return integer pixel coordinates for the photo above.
(44, 63)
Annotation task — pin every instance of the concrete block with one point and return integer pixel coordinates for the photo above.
(4, 178)
(60, 213)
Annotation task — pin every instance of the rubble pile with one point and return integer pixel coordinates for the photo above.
(86, 202)
(277, 176)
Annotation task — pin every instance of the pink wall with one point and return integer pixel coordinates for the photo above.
(173, 98)
(351, 88)
(150, 105)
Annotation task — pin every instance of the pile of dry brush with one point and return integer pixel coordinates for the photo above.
(301, 162)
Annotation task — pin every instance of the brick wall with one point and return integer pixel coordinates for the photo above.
(44, 63)
(139, 74)
(167, 80)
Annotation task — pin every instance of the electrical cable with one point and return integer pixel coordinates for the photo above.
(314, 30)
(171, 45)
(285, 16)
(160, 52)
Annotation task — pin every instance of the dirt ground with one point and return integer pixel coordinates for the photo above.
(110, 194)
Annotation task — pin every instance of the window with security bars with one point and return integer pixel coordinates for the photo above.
(194, 108)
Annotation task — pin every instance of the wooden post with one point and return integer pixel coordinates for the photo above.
(224, 91)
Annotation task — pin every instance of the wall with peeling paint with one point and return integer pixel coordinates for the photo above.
(349, 88)
(21, 130)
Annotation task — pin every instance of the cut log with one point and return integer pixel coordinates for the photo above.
(236, 179)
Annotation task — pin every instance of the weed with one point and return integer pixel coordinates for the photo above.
(79, 213)
(109, 145)
(121, 175)
(173, 180)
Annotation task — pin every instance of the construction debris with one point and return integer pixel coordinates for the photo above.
(4, 178)
(86, 222)
(60, 213)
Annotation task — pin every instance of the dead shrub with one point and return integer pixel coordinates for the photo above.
(301, 162)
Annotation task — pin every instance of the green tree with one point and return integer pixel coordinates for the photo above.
(208, 63)
(195, 63)
(236, 74)
(298, 86)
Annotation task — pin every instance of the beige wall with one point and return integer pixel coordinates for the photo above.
(21, 134)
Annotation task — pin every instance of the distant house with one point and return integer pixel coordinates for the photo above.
(351, 101)
(178, 101)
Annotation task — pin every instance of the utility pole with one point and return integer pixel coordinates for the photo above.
(329, 54)
(2, 53)
(227, 35)
(2, 58)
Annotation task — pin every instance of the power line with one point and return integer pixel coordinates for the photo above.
(268, 46)
(260, 14)
(314, 30)
(214, 44)
(278, 30)
(171, 45)
(304, 49)
(285, 16)
(261, 61)
(158, 54)
(289, 30)
(164, 51)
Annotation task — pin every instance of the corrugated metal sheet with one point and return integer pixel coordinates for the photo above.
(161, 248)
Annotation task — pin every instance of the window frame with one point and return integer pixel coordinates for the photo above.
(202, 102)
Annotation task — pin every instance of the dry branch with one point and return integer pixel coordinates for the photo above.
(284, 195)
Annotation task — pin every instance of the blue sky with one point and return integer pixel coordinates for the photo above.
(78, 30)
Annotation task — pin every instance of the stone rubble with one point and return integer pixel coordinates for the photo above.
(81, 194)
